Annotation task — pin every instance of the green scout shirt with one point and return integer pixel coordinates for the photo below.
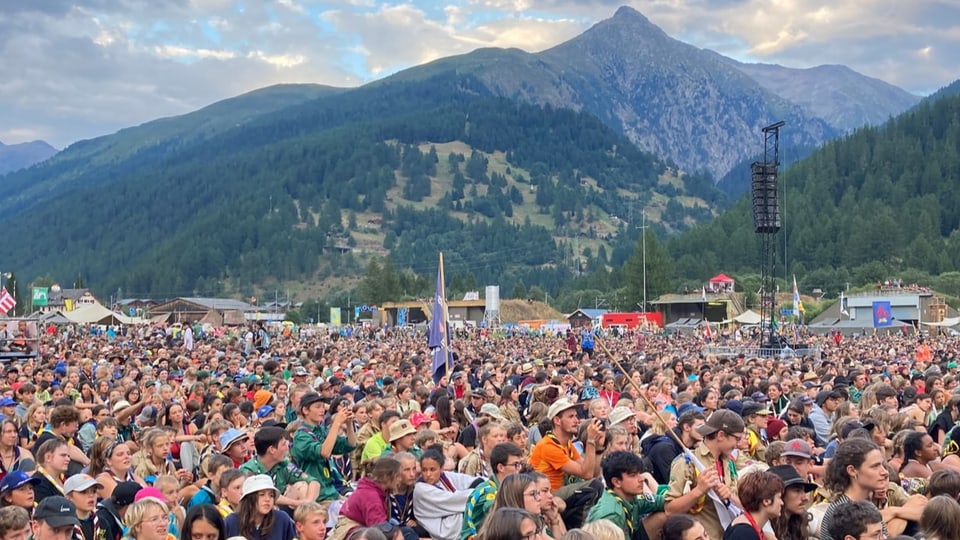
(283, 474)
(305, 450)
(626, 514)
(478, 505)
(416, 451)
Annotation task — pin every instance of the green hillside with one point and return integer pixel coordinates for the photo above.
(511, 193)
(881, 202)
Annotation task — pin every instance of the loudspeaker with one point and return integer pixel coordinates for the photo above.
(766, 206)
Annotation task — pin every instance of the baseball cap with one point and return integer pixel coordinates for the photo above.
(347, 390)
(810, 384)
(797, 448)
(79, 482)
(257, 482)
(620, 414)
(273, 423)
(264, 411)
(491, 410)
(849, 427)
(149, 491)
(559, 406)
(147, 414)
(16, 479)
(791, 477)
(759, 397)
(687, 407)
(735, 405)
(751, 408)
(723, 420)
(309, 399)
(806, 400)
(7, 402)
(300, 371)
(120, 405)
(231, 436)
(400, 429)
(125, 492)
(56, 512)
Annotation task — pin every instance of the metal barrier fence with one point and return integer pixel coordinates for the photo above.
(760, 352)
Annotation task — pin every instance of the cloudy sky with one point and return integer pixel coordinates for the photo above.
(78, 69)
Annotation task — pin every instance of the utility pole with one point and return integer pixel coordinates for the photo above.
(643, 231)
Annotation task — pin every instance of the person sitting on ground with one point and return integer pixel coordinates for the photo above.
(628, 500)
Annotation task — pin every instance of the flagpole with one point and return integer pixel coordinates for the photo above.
(446, 319)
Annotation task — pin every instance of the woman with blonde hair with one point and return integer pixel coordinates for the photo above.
(34, 421)
(477, 462)
(151, 460)
(148, 519)
(603, 529)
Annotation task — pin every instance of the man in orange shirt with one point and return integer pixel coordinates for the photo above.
(555, 455)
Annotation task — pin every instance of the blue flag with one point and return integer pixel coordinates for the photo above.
(438, 334)
(882, 314)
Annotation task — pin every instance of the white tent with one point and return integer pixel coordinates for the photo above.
(96, 314)
(947, 323)
(747, 317)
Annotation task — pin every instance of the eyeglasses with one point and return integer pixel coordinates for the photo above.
(534, 493)
(516, 465)
(164, 518)
(533, 535)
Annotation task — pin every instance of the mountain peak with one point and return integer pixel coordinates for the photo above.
(627, 12)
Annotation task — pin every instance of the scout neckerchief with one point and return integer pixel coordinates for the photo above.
(753, 523)
(57, 483)
(627, 518)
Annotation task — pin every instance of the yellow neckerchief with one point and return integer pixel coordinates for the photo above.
(626, 512)
(56, 483)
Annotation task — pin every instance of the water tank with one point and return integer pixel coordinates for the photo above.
(491, 301)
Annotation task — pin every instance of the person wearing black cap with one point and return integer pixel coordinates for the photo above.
(54, 519)
(793, 522)
(314, 444)
(110, 511)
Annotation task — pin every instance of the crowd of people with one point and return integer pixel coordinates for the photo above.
(147, 435)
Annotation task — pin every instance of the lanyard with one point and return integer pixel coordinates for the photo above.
(753, 523)
(56, 483)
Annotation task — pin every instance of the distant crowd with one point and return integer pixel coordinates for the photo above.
(157, 433)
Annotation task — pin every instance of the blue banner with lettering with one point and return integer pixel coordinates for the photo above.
(882, 314)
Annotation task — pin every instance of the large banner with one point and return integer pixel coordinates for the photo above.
(882, 314)
(335, 316)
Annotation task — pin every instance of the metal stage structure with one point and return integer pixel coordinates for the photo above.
(764, 190)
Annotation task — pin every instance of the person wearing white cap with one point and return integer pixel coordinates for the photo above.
(555, 455)
(81, 490)
(257, 517)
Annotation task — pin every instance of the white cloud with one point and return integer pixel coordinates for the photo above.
(76, 70)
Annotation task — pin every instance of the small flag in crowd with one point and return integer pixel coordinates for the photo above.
(7, 302)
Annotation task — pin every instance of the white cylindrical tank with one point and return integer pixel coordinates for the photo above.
(491, 301)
